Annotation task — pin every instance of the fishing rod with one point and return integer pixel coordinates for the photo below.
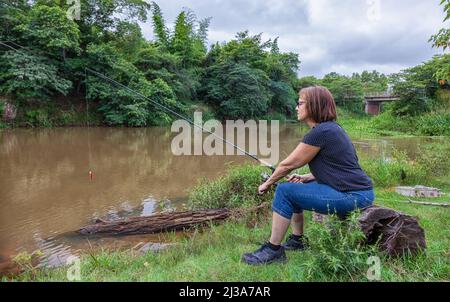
(103, 76)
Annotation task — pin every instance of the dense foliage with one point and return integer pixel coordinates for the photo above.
(47, 52)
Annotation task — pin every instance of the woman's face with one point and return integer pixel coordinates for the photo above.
(302, 114)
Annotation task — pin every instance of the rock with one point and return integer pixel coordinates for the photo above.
(154, 247)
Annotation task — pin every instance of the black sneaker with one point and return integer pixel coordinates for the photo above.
(265, 255)
(293, 244)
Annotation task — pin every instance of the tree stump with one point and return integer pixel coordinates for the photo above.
(395, 232)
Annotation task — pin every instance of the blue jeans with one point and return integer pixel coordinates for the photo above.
(295, 197)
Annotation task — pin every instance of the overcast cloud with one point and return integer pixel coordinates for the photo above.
(329, 35)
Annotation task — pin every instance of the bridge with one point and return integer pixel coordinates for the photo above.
(373, 101)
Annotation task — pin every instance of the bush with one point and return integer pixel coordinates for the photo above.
(434, 158)
(442, 99)
(238, 188)
(37, 118)
(338, 248)
(2, 107)
(434, 124)
(387, 121)
(395, 171)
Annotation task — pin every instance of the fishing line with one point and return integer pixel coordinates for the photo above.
(178, 115)
(86, 87)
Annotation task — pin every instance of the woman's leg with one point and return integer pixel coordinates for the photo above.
(279, 228)
(297, 224)
(281, 224)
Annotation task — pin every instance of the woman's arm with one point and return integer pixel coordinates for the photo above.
(302, 155)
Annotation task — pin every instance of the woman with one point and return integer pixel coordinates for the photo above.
(336, 185)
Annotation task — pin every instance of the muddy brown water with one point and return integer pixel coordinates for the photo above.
(46, 192)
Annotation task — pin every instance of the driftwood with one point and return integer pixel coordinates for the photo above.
(162, 222)
(395, 232)
(437, 204)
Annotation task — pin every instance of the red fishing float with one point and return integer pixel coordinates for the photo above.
(91, 174)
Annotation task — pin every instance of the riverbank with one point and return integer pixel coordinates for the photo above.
(213, 253)
(357, 125)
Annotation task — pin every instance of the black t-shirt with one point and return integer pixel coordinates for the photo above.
(336, 164)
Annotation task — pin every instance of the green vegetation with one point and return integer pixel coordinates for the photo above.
(42, 72)
(244, 78)
(423, 108)
(442, 38)
(348, 91)
(236, 189)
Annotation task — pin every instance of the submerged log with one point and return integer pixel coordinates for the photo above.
(396, 233)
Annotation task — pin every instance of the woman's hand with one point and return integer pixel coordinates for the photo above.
(295, 178)
(263, 188)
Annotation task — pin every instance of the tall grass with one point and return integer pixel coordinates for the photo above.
(399, 170)
(238, 188)
(339, 249)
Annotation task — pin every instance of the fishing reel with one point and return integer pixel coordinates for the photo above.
(264, 177)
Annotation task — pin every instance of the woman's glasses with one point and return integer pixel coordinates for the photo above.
(299, 103)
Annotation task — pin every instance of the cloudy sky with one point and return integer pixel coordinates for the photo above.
(329, 35)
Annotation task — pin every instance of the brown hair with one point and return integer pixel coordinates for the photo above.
(320, 103)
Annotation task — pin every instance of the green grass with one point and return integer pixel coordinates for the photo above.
(436, 123)
(365, 126)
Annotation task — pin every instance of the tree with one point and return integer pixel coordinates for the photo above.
(275, 73)
(236, 91)
(121, 106)
(373, 82)
(128, 38)
(442, 38)
(307, 81)
(104, 15)
(11, 15)
(348, 92)
(417, 86)
(50, 30)
(159, 26)
(186, 41)
(26, 76)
